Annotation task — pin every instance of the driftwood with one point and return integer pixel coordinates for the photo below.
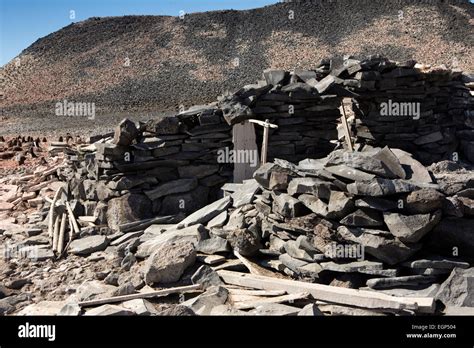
(75, 226)
(332, 294)
(51, 213)
(277, 299)
(62, 232)
(256, 269)
(164, 292)
(57, 223)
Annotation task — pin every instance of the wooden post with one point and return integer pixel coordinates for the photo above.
(265, 142)
(77, 230)
(51, 213)
(57, 222)
(62, 232)
(243, 138)
(265, 126)
(347, 134)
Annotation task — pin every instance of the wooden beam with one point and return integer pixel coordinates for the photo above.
(333, 294)
(164, 292)
(256, 292)
(244, 138)
(266, 125)
(62, 233)
(277, 299)
(256, 269)
(51, 213)
(347, 134)
(57, 223)
(72, 218)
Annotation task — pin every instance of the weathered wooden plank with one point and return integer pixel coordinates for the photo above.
(164, 292)
(276, 299)
(243, 138)
(351, 297)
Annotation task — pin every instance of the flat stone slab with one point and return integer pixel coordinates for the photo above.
(47, 308)
(218, 221)
(109, 310)
(205, 214)
(381, 187)
(415, 171)
(379, 204)
(457, 289)
(314, 204)
(350, 173)
(355, 266)
(363, 218)
(245, 193)
(126, 237)
(275, 309)
(291, 262)
(191, 234)
(407, 281)
(172, 187)
(213, 245)
(88, 245)
(411, 228)
(437, 263)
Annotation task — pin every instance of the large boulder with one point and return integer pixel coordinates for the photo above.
(128, 208)
(168, 262)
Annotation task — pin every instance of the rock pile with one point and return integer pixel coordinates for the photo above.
(376, 218)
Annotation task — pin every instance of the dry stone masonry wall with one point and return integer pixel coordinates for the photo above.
(173, 166)
(155, 168)
(425, 110)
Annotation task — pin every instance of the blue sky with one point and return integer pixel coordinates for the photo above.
(22, 22)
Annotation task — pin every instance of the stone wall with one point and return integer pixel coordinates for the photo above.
(161, 167)
(425, 110)
(172, 165)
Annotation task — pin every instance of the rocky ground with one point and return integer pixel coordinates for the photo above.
(136, 64)
(271, 246)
